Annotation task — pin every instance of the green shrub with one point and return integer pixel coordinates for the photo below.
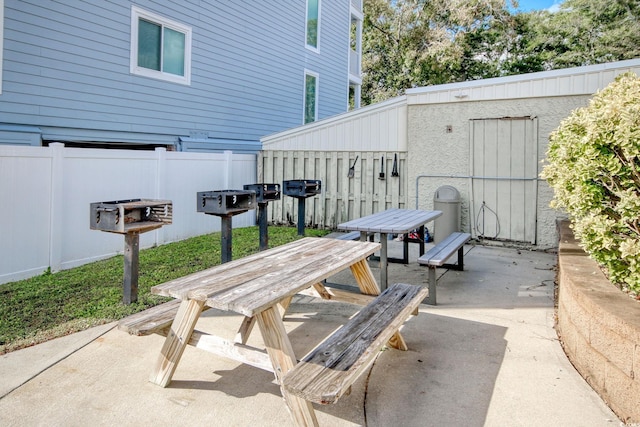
(593, 166)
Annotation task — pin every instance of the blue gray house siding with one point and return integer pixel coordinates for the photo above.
(67, 73)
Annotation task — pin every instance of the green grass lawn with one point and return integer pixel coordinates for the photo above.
(52, 305)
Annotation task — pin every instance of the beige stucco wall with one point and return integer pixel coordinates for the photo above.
(434, 151)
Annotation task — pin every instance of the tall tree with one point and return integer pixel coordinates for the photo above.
(585, 32)
(410, 43)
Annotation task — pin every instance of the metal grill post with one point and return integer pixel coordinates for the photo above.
(131, 265)
(301, 211)
(226, 237)
(262, 225)
(264, 194)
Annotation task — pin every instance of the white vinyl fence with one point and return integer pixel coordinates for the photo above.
(45, 194)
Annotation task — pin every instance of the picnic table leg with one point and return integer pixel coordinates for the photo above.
(367, 283)
(245, 329)
(398, 342)
(383, 262)
(283, 360)
(176, 341)
(283, 305)
(365, 278)
(405, 249)
(431, 299)
(421, 237)
(248, 322)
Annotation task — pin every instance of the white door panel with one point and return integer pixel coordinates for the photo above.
(504, 184)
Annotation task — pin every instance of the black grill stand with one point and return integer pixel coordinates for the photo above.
(130, 217)
(302, 189)
(226, 204)
(264, 194)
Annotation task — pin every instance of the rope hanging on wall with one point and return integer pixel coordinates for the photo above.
(482, 210)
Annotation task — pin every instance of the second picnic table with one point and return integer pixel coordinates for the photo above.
(392, 221)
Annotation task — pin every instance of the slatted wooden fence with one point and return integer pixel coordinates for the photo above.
(342, 198)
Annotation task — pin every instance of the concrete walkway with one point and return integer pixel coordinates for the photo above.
(486, 355)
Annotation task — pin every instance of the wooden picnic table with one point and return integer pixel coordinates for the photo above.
(392, 221)
(260, 287)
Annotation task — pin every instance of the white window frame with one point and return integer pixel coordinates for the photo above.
(306, 27)
(304, 96)
(136, 14)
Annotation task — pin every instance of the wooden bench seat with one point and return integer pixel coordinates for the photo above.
(153, 320)
(328, 371)
(353, 235)
(440, 253)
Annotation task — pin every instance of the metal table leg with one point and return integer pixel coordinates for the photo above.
(383, 261)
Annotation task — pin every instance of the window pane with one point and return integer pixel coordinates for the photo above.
(173, 53)
(312, 23)
(310, 99)
(149, 45)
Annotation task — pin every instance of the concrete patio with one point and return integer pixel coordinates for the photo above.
(486, 355)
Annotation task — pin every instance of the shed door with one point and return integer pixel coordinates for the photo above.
(504, 186)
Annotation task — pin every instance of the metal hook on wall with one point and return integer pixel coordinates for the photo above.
(352, 169)
(394, 171)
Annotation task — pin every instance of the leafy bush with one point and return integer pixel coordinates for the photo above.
(593, 165)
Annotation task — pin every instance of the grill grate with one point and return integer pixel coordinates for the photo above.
(132, 215)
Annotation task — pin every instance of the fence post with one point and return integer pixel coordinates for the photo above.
(57, 205)
(228, 166)
(161, 172)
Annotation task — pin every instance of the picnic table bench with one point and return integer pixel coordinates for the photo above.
(439, 254)
(260, 287)
(327, 372)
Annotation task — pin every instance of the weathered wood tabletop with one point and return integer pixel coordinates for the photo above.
(391, 221)
(250, 284)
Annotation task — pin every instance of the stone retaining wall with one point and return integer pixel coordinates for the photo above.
(599, 327)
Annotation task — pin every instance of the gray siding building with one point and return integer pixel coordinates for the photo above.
(188, 75)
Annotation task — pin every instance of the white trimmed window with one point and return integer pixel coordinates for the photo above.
(160, 47)
(312, 25)
(310, 97)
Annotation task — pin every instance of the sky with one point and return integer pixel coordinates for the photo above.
(527, 5)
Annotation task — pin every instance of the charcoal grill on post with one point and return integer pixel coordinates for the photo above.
(265, 193)
(130, 217)
(301, 189)
(225, 204)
